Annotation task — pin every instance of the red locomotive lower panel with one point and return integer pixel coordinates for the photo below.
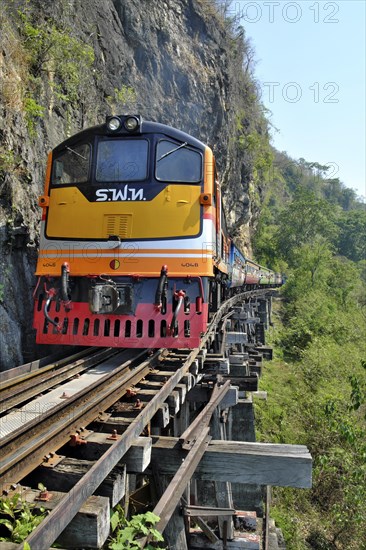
(149, 328)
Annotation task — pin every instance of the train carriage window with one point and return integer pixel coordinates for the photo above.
(178, 163)
(122, 160)
(72, 165)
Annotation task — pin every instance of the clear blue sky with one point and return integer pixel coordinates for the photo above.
(311, 67)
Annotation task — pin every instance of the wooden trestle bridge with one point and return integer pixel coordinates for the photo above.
(172, 431)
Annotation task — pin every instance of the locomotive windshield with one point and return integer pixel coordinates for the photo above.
(122, 160)
(177, 163)
(72, 165)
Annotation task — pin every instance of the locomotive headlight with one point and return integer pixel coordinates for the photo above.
(114, 124)
(131, 123)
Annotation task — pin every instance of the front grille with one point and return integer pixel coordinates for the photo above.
(119, 225)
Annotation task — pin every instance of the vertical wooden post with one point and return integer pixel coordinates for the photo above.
(127, 495)
(183, 423)
(175, 531)
(224, 497)
(266, 517)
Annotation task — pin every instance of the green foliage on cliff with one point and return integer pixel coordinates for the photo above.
(123, 100)
(317, 384)
(248, 123)
(52, 62)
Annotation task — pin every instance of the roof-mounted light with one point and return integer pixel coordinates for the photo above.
(131, 123)
(113, 123)
(123, 124)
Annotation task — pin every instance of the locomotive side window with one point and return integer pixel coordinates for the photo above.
(177, 163)
(72, 165)
(122, 160)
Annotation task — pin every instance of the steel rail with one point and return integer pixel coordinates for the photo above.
(48, 377)
(126, 355)
(171, 497)
(53, 525)
(6, 380)
(196, 439)
(203, 418)
(26, 451)
(216, 318)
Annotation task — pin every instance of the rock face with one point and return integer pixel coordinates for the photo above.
(64, 66)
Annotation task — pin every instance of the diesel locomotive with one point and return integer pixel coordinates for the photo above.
(134, 250)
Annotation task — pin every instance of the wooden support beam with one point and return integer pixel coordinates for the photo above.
(248, 497)
(173, 399)
(238, 358)
(174, 402)
(149, 385)
(241, 425)
(223, 492)
(255, 359)
(242, 542)
(245, 383)
(175, 531)
(255, 368)
(170, 362)
(236, 338)
(238, 371)
(156, 381)
(189, 380)
(206, 529)
(89, 528)
(240, 316)
(63, 476)
(252, 349)
(111, 423)
(252, 320)
(266, 351)
(218, 365)
(201, 394)
(162, 417)
(201, 358)
(182, 391)
(266, 518)
(261, 395)
(160, 375)
(207, 511)
(137, 458)
(194, 368)
(241, 462)
(181, 421)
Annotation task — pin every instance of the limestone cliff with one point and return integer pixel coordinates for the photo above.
(64, 65)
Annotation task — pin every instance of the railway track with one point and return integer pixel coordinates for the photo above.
(44, 425)
(23, 387)
(87, 384)
(31, 434)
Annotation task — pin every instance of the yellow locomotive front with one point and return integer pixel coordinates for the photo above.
(130, 238)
